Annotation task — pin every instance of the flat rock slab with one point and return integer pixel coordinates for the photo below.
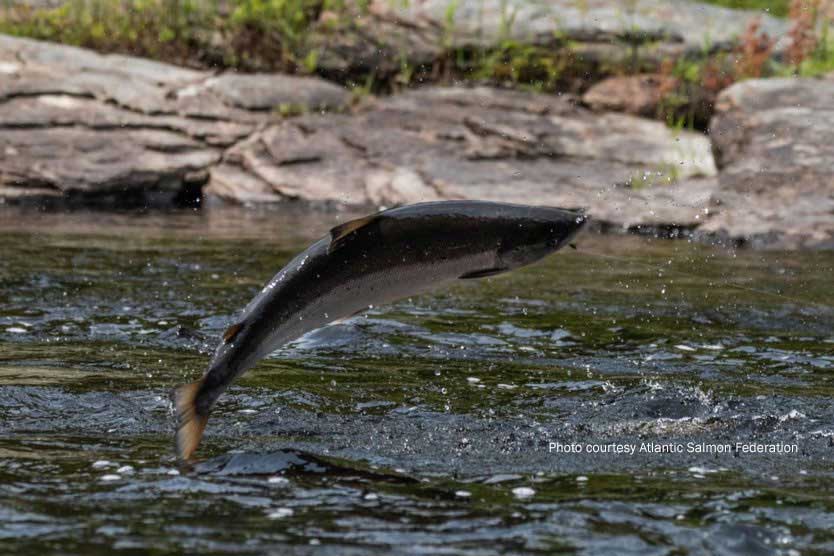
(273, 91)
(419, 31)
(692, 24)
(774, 141)
(76, 122)
(100, 161)
(458, 143)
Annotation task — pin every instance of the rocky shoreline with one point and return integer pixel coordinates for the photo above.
(83, 128)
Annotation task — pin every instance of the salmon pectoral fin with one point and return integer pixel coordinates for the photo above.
(190, 424)
(340, 234)
(483, 273)
(231, 332)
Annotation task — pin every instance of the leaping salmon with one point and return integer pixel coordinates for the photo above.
(373, 260)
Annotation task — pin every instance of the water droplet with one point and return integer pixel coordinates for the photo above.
(523, 492)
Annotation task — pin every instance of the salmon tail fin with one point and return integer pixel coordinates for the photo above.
(190, 424)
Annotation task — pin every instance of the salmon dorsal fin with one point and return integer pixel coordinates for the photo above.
(231, 332)
(340, 234)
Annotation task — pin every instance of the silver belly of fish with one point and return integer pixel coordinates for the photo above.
(385, 286)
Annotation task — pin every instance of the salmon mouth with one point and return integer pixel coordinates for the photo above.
(569, 229)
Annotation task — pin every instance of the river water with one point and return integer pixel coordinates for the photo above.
(612, 399)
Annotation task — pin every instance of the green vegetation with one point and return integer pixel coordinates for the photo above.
(778, 8)
(820, 60)
(248, 34)
(699, 80)
(514, 63)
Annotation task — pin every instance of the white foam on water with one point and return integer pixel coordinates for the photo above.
(280, 513)
(792, 415)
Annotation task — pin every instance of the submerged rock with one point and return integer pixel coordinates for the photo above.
(774, 141)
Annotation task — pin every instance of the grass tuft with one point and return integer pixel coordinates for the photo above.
(778, 8)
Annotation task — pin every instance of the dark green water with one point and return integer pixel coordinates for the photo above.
(425, 427)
